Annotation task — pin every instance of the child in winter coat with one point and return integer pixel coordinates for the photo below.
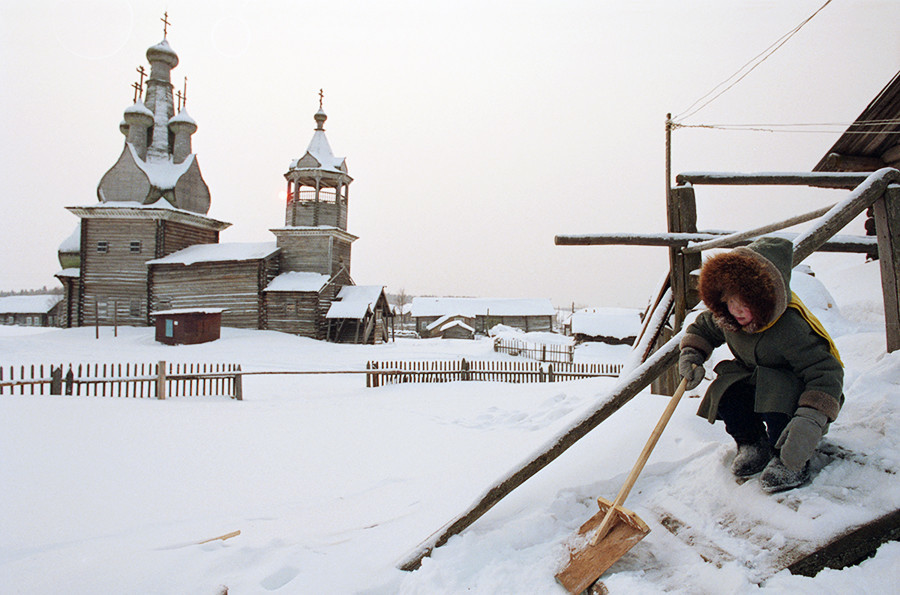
(784, 386)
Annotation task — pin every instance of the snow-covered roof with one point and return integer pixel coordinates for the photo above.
(455, 323)
(71, 272)
(442, 320)
(29, 304)
(471, 307)
(607, 322)
(354, 301)
(298, 281)
(161, 209)
(187, 311)
(219, 253)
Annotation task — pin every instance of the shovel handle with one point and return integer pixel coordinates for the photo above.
(606, 525)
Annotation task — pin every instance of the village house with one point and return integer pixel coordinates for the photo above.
(149, 246)
(529, 315)
(31, 310)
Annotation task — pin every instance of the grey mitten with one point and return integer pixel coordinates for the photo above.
(800, 437)
(690, 366)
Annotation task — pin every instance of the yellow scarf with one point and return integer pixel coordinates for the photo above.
(813, 322)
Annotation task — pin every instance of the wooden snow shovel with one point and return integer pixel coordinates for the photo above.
(610, 533)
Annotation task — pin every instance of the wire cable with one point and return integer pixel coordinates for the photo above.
(755, 61)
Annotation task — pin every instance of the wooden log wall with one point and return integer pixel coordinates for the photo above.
(114, 281)
(297, 313)
(232, 285)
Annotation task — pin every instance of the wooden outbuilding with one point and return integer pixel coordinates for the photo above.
(188, 326)
(360, 314)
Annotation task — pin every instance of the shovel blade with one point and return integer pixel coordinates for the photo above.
(588, 562)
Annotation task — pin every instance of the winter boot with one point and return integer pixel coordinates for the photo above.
(778, 478)
(751, 458)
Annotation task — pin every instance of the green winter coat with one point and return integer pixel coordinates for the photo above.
(780, 353)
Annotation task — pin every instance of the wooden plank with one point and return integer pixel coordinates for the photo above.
(587, 562)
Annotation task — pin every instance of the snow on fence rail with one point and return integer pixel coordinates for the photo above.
(537, 351)
(379, 373)
(124, 380)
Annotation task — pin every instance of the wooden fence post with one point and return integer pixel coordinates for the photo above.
(70, 380)
(464, 365)
(161, 380)
(56, 380)
(238, 384)
(551, 377)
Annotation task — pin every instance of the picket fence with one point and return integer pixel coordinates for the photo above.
(537, 351)
(129, 380)
(379, 373)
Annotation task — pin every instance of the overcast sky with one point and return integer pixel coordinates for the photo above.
(475, 130)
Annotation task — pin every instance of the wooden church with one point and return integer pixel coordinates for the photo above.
(149, 246)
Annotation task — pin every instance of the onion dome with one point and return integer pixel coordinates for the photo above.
(162, 52)
(183, 121)
(138, 113)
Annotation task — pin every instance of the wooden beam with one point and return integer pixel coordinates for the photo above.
(844, 212)
(729, 240)
(624, 391)
(887, 226)
(846, 180)
(851, 244)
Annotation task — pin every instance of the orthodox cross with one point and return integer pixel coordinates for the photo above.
(166, 24)
(139, 86)
(182, 96)
(321, 96)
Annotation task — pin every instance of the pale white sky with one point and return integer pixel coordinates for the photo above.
(475, 130)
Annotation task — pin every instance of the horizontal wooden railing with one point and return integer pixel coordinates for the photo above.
(380, 373)
(129, 380)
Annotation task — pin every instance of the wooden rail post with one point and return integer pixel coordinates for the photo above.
(238, 384)
(70, 380)
(56, 380)
(887, 228)
(161, 380)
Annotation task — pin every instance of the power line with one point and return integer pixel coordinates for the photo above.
(755, 61)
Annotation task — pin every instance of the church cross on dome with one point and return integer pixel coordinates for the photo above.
(166, 24)
(321, 96)
(139, 85)
(182, 96)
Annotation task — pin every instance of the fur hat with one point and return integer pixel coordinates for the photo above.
(759, 274)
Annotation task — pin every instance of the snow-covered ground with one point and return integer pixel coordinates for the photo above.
(331, 484)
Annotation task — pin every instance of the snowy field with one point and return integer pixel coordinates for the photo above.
(331, 484)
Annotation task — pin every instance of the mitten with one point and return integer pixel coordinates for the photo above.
(800, 437)
(690, 366)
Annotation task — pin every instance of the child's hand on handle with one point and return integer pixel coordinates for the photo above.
(690, 366)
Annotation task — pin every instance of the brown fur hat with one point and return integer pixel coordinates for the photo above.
(758, 274)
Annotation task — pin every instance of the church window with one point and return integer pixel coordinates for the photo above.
(103, 247)
(136, 246)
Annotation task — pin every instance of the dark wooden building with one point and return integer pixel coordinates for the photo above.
(188, 326)
(296, 302)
